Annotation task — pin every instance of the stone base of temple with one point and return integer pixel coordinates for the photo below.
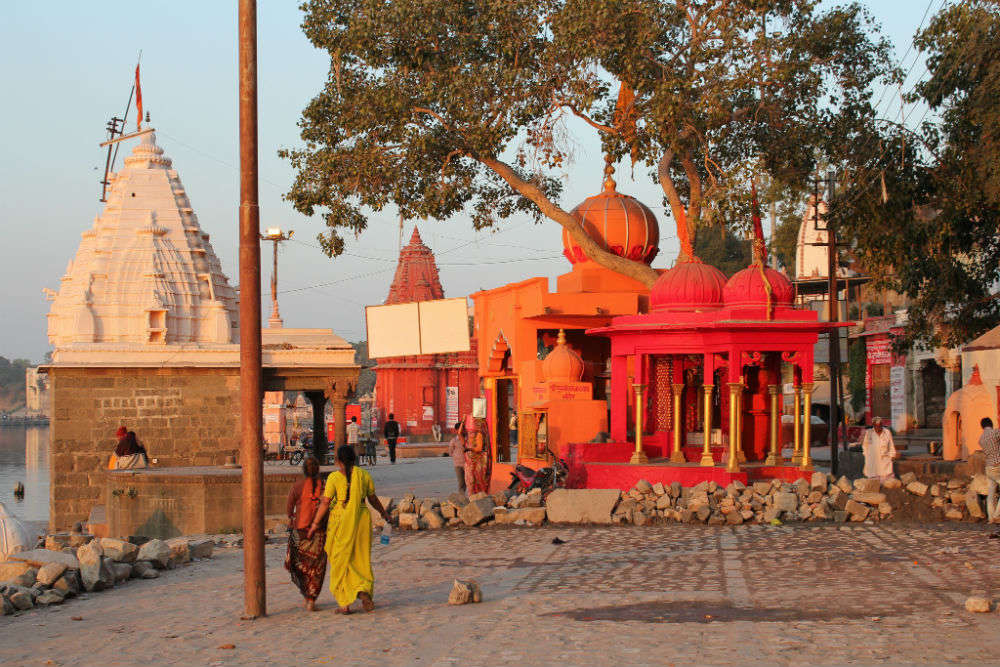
(607, 466)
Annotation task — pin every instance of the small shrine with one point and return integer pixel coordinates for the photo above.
(544, 380)
(696, 383)
(963, 413)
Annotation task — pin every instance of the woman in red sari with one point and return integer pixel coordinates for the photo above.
(306, 558)
(477, 459)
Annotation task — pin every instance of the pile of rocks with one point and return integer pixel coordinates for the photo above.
(74, 563)
(821, 498)
(505, 507)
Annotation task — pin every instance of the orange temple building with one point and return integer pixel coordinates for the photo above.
(678, 383)
(535, 357)
(429, 389)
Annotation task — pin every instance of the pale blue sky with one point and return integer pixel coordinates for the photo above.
(67, 68)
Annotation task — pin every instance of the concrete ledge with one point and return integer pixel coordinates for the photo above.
(418, 450)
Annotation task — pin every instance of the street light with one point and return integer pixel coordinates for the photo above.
(276, 235)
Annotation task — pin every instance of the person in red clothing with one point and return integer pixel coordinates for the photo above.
(306, 557)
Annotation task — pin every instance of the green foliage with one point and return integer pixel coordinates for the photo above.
(936, 236)
(366, 378)
(12, 382)
(722, 249)
(784, 245)
(440, 108)
(857, 367)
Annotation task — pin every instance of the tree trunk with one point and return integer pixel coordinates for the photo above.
(636, 270)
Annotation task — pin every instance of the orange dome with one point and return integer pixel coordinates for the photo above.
(746, 288)
(689, 285)
(620, 224)
(562, 364)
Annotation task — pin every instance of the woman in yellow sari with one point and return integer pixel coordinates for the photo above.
(349, 531)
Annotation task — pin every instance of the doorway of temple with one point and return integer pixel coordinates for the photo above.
(505, 406)
(932, 376)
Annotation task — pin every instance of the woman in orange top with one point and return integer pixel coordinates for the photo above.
(306, 558)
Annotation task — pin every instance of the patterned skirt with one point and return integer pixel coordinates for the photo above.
(306, 562)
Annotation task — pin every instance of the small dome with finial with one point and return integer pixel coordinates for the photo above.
(562, 364)
(620, 224)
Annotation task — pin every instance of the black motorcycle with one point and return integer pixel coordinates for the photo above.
(524, 479)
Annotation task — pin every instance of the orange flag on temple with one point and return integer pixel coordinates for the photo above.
(625, 117)
(138, 100)
(758, 228)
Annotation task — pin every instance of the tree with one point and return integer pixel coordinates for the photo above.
(439, 107)
(12, 382)
(923, 215)
(721, 248)
(785, 243)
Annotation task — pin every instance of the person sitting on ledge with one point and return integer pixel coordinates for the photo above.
(129, 453)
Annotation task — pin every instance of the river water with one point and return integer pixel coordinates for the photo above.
(24, 457)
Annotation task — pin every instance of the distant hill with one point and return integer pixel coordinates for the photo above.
(366, 379)
(12, 383)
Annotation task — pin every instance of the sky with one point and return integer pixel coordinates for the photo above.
(68, 67)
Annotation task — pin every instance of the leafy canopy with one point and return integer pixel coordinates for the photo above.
(932, 231)
(444, 107)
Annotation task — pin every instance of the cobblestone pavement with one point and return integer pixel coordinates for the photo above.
(672, 595)
(430, 477)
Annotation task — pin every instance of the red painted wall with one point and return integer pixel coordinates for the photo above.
(408, 386)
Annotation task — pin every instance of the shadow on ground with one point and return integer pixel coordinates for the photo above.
(699, 611)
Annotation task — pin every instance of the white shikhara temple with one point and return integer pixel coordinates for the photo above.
(145, 273)
(145, 331)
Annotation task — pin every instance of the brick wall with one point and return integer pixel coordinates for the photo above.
(184, 417)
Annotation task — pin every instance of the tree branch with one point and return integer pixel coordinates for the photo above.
(676, 206)
(694, 181)
(587, 119)
(627, 267)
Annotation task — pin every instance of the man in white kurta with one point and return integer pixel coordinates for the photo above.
(879, 451)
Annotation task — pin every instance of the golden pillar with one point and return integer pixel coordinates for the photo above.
(733, 460)
(774, 457)
(706, 452)
(678, 456)
(807, 390)
(740, 454)
(797, 426)
(638, 456)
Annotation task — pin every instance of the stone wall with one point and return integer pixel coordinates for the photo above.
(169, 503)
(183, 416)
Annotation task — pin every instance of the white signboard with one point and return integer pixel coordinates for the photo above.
(451, 405)
(428, 413)
(422, 327)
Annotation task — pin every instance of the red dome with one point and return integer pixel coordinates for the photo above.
(746, 288)
(620, 224)
(689, 285)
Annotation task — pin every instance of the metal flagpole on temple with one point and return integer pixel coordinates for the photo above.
(251, 373)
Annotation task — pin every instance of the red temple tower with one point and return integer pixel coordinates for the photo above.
(427, 389)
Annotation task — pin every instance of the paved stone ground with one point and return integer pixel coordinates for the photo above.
(673, 595)
(432, 477)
